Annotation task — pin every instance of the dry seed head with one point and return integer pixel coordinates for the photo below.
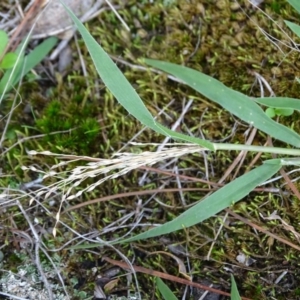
(115, 167)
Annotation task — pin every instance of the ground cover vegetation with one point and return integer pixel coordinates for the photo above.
(76, 116)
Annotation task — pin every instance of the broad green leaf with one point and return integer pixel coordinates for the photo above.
(122, 90)
(294, 27)
(295, 4)
(279, 102)
(3, 41)
(8, 60)
(236, 103)
(224, 197)
(234, 290)
(164, 290)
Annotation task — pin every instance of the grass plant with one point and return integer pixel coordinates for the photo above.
(249, 110)
(17, 65)
(238, 104)
(14, 66)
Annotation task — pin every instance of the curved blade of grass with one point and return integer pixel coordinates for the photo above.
(224, 197)
(279, 102)
(234, 290)
(119, 86)
(295, 4)
(236, 103)
(164, 290)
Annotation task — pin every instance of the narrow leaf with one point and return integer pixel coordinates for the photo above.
(164, 290)
(295, 4)
(236, 103)
(119, 86)
(224, 197)
(234, 290)
(294, 27)
(279, 102)
(39, 53)
(26, 64)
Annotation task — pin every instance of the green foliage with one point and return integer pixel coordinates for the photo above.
(215, 91)
(164, 290)
(285, 106)
(272, 112)
(168, 294)
(279, 106)
(238, 104)
(83, 130)
(7, 60)
(295, 4)
(16, 65)
(234, 291)
(67, 115)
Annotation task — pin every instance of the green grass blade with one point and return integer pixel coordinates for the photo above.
(164, 290)
(224, 197)
(183, 137)
(35, 57)
(233, 101)
(26, 64)
(210, 206)
(294, 27)
(119, 86)
(279, 102)
(295, 4)
(39, 53)
(234, 290)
